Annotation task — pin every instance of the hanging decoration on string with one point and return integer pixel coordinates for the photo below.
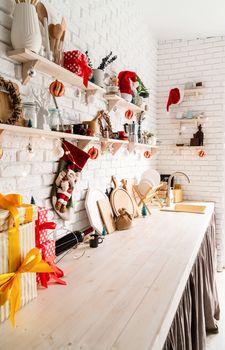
(201, 153)
(93, 153)
(147, 154)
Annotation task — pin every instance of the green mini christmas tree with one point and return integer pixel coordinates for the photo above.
(104, 231)
(32, 201)
(144, 211)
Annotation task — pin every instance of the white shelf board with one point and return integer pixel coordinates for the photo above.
(194, 91)
(116, 100)
(43, 65)
(44, 133)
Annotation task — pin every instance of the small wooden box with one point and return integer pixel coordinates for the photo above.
(177, 195)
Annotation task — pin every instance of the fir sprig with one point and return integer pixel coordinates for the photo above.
(89, 60)
(106, 61)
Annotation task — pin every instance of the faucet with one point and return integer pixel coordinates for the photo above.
(168, 198)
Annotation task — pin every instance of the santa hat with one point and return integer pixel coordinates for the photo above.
(124, 81)
(175, 97)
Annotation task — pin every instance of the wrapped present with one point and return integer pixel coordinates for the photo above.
(42, 226)
(47, 249)
(17, 287)
(76, 62)
(26, 212)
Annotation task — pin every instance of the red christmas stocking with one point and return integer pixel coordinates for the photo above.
(70, 165)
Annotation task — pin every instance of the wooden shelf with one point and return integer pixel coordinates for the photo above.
(133, 145)
(195, 121)
(115, 100)
(32, 132)
(116, 144)
(194, 91)
(82, 141)
(28, 58)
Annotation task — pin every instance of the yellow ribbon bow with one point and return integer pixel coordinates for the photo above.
(11, 202)
(10, 282)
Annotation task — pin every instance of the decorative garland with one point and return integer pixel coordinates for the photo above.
(14, 95)
(103, 116)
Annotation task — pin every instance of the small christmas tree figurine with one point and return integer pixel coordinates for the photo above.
(144, 211)
(104, 231)
(29, 125)
(32, 201)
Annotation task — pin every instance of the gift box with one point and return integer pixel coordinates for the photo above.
(17, 287)
(76, 62)
(48, 250)
(26, 213)
(42, 226)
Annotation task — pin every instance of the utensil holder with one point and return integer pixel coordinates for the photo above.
(25, 32)
(98, 75)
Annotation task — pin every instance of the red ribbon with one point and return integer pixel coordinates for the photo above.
(83, 65)
(46, 276)
(44, 226)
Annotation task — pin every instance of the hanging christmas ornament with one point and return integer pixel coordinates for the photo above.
(57, 88)
(201, 153)
(129, 114)
(147, 154)
(58, 150)
(93, 153)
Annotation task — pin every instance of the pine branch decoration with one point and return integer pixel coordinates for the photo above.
(89, 60)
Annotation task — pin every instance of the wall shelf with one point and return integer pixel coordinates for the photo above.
(116, 144)
(133, 145)
(28, 58)
(194, 121)
(115, 100)
(194, 91)
(82, 141)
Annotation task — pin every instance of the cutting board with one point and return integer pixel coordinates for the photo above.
(106, 214)
(91, 205)
(187, 208)
(120, 198)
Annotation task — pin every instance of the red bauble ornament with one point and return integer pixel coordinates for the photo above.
(93, 153)
(147, 154)
(129, 114)
(57, 88)
(201, 153)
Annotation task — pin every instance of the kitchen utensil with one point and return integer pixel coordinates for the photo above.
(51, 35)
(25, 32)
(152, 176)
(57, 31)
(120, 198)
(106, 214)
(91, 205)
(43, 18)
(127, 185)
(187, 208)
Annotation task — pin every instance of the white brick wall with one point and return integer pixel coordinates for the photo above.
(181, 61)
(99, 26)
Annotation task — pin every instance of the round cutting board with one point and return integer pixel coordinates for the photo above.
(120, 198)
(91, 204)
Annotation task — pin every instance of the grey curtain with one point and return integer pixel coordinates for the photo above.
(198, 310)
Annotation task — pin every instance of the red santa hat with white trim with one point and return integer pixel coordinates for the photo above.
(176, 96)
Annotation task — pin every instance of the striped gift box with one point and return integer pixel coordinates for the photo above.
(4, 214)
(28, 280)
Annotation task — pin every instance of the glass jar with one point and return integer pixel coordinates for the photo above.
(54, 119)
(30, 114)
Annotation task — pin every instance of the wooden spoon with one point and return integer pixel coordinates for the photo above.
(58, 32)
(43, 18)
(51, 34)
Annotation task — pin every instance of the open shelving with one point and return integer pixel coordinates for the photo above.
(30, 59)
(116, 100)
(133, 145)
(82, 141)
(195, 121)
(194, 91)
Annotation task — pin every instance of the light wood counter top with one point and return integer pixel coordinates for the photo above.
(122, 295)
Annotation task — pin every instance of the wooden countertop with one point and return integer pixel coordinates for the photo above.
(122, 295)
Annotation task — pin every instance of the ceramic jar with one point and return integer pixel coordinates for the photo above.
(98, 77)
(25, 32)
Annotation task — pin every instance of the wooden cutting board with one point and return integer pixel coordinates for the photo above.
(186, 208)
(107, 214)
(120, 198)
